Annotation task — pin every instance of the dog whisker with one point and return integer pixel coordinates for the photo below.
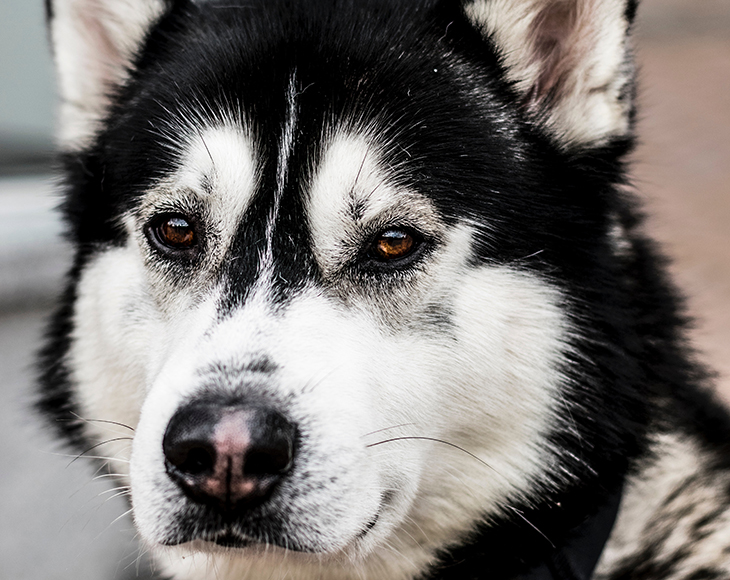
(107, 421)
(108, 476)
(415, 523)
(388, 429)
(114, 490)
(119, 494)
(529, 523)
(84, 453)
(80, 456)
(114, 521)
(100, 457)
(434, 440)
(137, 561)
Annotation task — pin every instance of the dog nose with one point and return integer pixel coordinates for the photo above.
(226, 455)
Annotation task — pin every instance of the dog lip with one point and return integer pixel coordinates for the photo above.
(229, 539)
(387, 498)
(225, 537)
(369, 526)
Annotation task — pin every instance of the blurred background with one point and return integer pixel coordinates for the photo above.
(55, 522)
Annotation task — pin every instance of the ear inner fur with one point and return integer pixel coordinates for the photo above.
(94, 43)
(569, 59)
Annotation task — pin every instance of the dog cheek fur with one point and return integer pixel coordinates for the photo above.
(112, 343)
(483, 376)
(500, 391)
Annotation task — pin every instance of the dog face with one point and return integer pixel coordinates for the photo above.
(323, 266)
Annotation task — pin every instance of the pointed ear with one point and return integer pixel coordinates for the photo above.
(570, 60)
(94, 42)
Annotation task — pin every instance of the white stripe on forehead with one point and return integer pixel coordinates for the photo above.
(354, 192)
(287, 139)
(286, 145)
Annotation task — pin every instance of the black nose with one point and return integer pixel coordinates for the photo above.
(228, 456)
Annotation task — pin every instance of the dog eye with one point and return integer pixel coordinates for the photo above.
(393, 244)
(174, 231)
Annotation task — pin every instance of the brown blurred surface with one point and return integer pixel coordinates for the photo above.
(682, 165)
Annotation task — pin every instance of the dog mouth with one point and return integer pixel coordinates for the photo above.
(369, 526)
(230, 539)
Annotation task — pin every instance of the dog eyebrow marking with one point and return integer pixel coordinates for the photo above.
(352, 193)
(217, 171)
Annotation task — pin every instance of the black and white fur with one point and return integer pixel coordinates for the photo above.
(461, 413)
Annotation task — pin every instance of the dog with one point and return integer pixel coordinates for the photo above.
(361, 291)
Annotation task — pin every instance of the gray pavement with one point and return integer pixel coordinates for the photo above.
(56, 522)
(33, 256)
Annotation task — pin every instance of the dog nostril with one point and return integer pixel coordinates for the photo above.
(195, 460)
(264, 462)
(188, 446)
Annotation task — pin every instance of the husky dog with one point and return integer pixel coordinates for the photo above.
(360, 292)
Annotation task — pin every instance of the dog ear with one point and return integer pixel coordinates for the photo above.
(570, 60)
(94, 42)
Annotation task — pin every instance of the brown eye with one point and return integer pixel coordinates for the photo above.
(393, 244)
(175, 232)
